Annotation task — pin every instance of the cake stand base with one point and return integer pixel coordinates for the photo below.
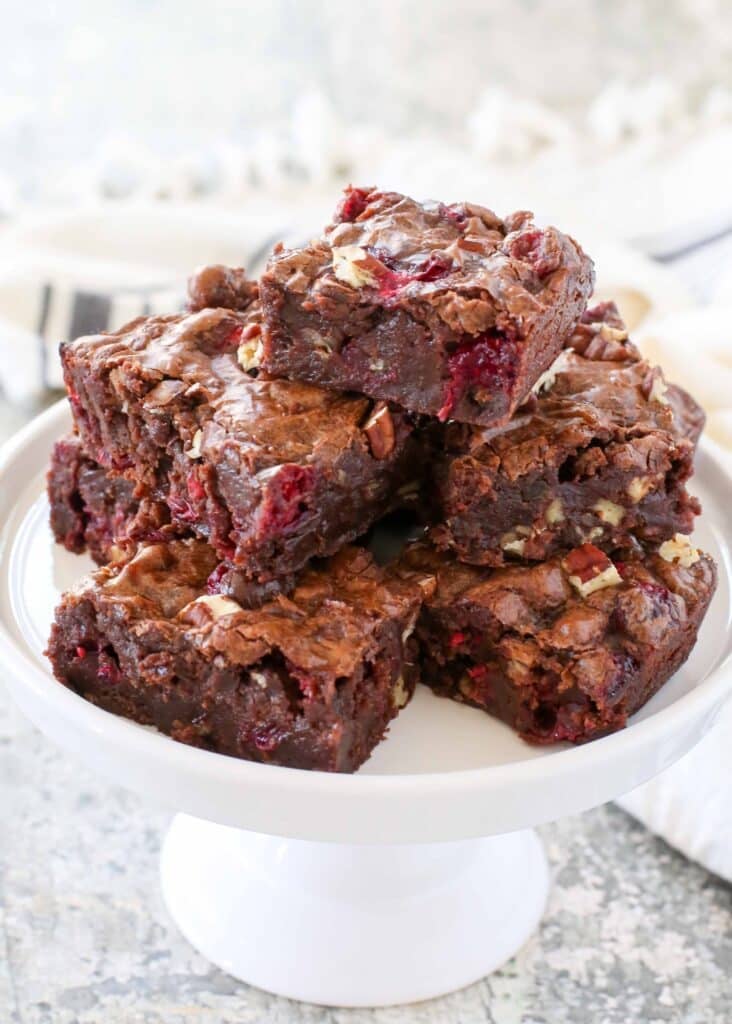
(345, 925)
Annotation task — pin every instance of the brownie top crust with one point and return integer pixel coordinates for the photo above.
(326, 624)
(195, 364)
(573, 602)
(460, 263)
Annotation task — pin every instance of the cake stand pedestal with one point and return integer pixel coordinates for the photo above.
(349, 925)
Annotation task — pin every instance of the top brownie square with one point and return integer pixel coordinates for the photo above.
(445, 310)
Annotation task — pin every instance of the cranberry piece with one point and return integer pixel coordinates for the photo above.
(436, 265)
(354, 202)
(655, 590)
(79, 410)
(81, 652)
(568, 724)
(266, 737)
(222, 337)
(108, 669)
(214, 584)
(455, 213)
(482, 689)
(182, 510)
(487, 360)
(287, 497)
(532, 247)
(457, 638)
(307, 683)
(233, 337)
(195, 488)
(392, 281)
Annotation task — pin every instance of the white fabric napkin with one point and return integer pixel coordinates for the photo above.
(93, 269)
(76, 273)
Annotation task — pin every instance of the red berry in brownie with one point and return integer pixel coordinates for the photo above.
(353, 204)
(288, 497)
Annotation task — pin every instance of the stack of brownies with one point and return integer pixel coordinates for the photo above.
(434, 360)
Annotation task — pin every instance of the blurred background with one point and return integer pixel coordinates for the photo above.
(141, 138)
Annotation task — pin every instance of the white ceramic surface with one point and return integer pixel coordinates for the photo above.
(352, 925)
(446, 773)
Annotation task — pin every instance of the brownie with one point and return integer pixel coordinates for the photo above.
(89, 509)
(220, 287)
(562, 650)
(445, 310)
(309, 680)
(270, 472)
(601, 453)
(94, 510)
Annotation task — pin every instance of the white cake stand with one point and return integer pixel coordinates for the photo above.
(363, 890)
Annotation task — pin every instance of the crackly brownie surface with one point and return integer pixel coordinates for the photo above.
(601, 453)
(446, 310)
(566, 649)
(270, 472)
(308, 680)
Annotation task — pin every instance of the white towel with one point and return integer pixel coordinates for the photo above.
(94, 269)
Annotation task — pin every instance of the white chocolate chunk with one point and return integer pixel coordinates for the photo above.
(409, 628)
(548, 377)
(609, 512)
(259, 679)
(679, 549)
(609, 577)
(555, 513)
(608, 333)
(639, 487)
(249, 353)
(514, 547)
(194, 452)
(217, 604)
(400, 694)
(515, 540)
(658, 391)
(593, 534)
(348, 266)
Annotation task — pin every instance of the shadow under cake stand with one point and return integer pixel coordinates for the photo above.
(416, 876)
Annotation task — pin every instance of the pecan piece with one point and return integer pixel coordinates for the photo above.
(589, 569)
(379, 429)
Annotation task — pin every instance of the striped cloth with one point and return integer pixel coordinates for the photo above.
(62, 280)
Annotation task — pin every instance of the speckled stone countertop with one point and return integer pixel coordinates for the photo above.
(634, 933)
